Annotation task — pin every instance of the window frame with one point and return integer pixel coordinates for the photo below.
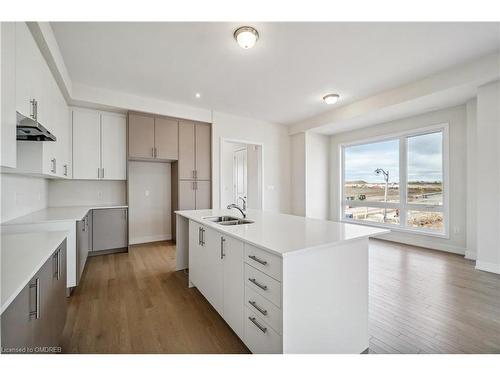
(403, 205)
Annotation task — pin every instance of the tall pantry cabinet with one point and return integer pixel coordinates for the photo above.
(186, 145)
(193, 170)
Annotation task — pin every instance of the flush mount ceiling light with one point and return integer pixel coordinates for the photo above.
(331, 98)
(197, 95)
(246, 36)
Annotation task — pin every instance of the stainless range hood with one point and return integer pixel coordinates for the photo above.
(31, 130)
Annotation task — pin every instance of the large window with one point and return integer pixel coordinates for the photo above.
(397, 182)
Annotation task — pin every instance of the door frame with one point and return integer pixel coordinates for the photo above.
(221, 182)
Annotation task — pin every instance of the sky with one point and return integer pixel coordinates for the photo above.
(424, 159)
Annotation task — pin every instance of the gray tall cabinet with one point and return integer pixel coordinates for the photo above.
(187, 145)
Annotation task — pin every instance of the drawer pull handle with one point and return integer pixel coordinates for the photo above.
(35, 314)
(254, 321)
(259, 309)
(263, 287)
(253, 257)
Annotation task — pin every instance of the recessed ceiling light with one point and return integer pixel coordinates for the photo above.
(246, 36)
(198, 95)
(331, 98)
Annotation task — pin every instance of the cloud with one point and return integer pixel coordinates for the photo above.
(424, 159)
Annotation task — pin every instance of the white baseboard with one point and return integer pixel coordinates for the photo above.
(428, 244)
(146, 239)
(488, 267)
(471, 255)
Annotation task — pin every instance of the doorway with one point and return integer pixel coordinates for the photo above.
(241, 174)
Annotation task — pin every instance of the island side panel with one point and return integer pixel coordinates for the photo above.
(325, 299)
(182, 243)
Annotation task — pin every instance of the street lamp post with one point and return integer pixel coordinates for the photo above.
(379, 171)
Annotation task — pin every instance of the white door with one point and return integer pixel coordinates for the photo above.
(113, 146)
(86, 144)
(240, 175)
(234, 287)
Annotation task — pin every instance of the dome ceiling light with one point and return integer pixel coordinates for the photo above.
(331, 98)
(246, 36)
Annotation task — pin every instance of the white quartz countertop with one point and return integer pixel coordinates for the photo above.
(283, 234)
(55, 214)
(23, 254)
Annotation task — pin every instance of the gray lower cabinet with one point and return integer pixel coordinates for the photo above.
(34, 321)
(109, 229)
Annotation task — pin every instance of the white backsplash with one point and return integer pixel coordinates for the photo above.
(22, 195)
(64, 193)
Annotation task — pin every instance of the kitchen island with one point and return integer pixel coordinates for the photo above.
(283, 283)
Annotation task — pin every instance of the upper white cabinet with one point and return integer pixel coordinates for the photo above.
(99, 145)
(37, 95)
(8, 100)
(113, 146)
(86, 145)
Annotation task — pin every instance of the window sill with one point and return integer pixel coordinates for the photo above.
(398, 229)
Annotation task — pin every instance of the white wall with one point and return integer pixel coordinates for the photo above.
(86, 193)
(298, 174)
(471, 221)
(317, 175)
(22, 195)
(456, 118)
(150, 211)
(276, 156)
(488, 177)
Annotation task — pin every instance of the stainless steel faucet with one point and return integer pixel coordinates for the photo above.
(242, 210)
(244, 202)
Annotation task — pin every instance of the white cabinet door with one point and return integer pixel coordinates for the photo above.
(86, 144)
(63, 137)
(210, 272)
(195, 262)
(234, 287)
(25, 68)
(113, 146)
(8, 100)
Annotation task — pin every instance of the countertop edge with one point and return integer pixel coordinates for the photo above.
(15, 293)
(85, 208)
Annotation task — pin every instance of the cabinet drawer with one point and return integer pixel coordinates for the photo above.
(264, 285)
(264, 261)
(259, 337)
(263, 309)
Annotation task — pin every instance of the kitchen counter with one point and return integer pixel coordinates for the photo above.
(23, 254)
(284, 284)
(57, 214)
(283, 234)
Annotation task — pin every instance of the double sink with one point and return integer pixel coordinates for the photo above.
(228, 220)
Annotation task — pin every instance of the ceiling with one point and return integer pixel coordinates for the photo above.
(281, 79)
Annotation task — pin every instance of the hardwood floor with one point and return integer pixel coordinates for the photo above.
(421, 301)
(135, 303)
(425, 301)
